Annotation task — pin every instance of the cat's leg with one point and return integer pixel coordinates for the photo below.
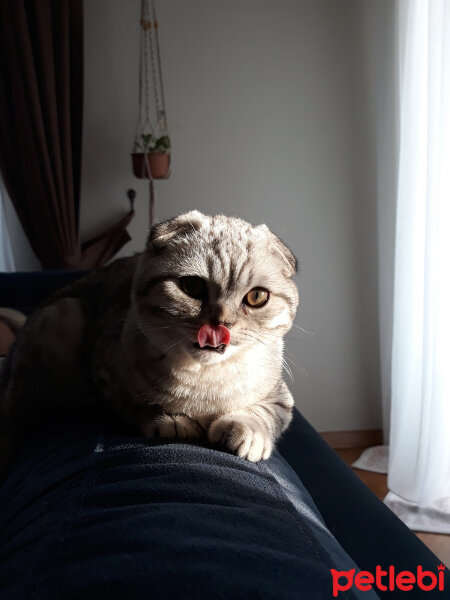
(172, 426)
(43, 373)
(251, 432)
(47, 367)
(152, 421)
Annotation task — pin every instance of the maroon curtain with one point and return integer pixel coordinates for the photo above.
(41, 99)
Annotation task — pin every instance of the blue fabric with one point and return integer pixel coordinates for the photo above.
(24, 291)
(365, 527)
(43, 494)
(89, 514)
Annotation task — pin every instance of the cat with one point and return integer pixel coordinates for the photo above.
(183, 340)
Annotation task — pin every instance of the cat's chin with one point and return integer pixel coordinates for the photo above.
(208, 355)
(219, 349)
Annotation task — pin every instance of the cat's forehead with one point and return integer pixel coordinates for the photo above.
(226, 250)
(223, 230)
(229, 253)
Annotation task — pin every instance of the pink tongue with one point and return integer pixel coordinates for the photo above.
(213, 335)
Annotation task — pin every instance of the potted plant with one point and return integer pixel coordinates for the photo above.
(151, 154)
(159, 158)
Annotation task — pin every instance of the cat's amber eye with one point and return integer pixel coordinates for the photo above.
(256, 298)
(193, 286)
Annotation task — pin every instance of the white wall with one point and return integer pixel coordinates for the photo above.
(261, 100)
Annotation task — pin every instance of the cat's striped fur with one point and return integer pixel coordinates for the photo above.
(129, 331)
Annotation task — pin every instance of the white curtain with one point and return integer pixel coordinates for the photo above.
(419, 464)
(16, 253)
(6, 254)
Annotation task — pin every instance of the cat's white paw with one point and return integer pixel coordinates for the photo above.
(245, 440)
(172, 426)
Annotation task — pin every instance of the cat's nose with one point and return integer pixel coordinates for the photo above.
(221, 315)
(227, 324)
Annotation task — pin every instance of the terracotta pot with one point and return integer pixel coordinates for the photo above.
(159, 165)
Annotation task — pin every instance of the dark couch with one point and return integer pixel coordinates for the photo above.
(89, 510)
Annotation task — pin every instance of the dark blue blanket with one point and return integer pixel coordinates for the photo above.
(166, 521)
(96, 515)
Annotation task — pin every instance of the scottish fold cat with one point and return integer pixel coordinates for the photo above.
(183, 340)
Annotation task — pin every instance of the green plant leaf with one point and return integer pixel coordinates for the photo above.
(147, 139)
(162, 144)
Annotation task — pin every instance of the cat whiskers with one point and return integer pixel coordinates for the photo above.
(272, 337)
(172, 346)
(130, 334)
(285, 337)
(280, 359)
(304, 330)
(299, 367)
(156, 329)
(184, 338)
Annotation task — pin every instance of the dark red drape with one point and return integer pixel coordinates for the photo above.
(41, 99)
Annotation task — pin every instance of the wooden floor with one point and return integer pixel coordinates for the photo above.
(439, 544)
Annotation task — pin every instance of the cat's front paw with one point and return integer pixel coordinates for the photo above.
(172, 426)
(247, 440)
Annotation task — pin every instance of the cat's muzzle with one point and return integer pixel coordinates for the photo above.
(220, 348)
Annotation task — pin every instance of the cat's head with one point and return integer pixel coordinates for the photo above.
(213, 286)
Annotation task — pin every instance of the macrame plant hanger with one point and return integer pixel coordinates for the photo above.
(151, 153)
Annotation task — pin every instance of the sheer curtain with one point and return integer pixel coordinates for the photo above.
(16, 253)
(419, 464)
(6, 255)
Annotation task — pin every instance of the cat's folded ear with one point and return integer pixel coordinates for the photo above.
(281, 250)
(163, 233)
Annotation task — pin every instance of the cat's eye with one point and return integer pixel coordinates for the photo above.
(193, 286)
(256, 298)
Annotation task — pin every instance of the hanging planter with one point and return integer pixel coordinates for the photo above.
(151, 152)
(151, 159)
(157, 164)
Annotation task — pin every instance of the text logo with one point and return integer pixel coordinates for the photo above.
(388, 580)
